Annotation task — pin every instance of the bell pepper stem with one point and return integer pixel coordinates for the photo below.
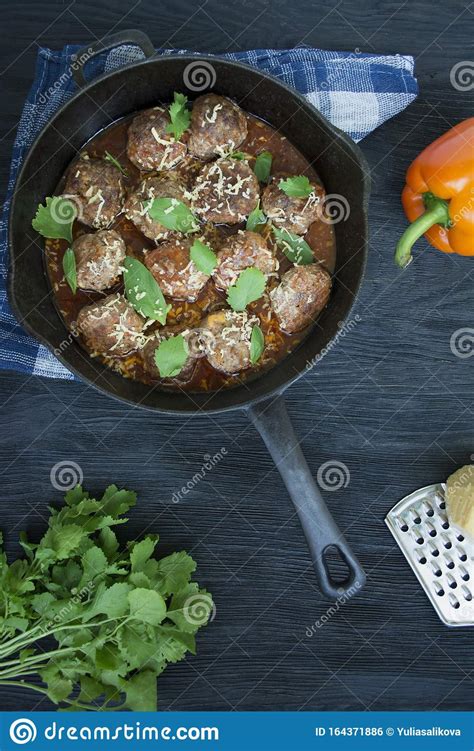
(437, 213)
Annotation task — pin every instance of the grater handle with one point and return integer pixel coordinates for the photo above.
(322, 533)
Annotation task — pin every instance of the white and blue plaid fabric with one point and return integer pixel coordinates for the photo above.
(355, 91)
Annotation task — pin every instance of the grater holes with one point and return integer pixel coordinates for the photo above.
(416, 520)
(422, 560)
(450, 564)
(439, 590)
(453, 601)
(442, 505)
(460, 538)
(432, 533)
(435, 552)
(430, 512)
(404, 527)
(445, 525)
(467, 594)
(448, 545)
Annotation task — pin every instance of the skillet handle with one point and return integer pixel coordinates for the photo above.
(322, 533)
(131, 36)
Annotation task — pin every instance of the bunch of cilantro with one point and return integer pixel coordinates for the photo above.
(94, 622)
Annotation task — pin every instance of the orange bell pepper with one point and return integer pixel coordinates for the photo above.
(438, 197)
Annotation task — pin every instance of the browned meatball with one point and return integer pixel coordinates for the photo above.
(111, 326)
(137, 204)
(149, 146)
(217, 125)
(96, 188)
(227, 340)
(195, 352)
(293, 214)
(225, 191)
(99, 258)
(300, 297)
(238, 253)
(171, 265)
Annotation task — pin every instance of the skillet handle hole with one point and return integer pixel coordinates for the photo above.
(336, 565)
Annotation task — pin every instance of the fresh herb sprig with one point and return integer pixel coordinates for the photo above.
(180, 116)
(257, 344)
(69, 268)
(263, 166)
(143, 291)
(173, 214)
(113, 160)
(55, 219)
(295, 248)
(256, 219)
(171, 355)
(203, 257)
(296, 187)
(249, 286)
(118, 615)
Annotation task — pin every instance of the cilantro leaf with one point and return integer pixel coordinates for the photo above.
(295, 248)
(257, 344)
(113, 160)
(180, 116)
(256, 218)
(147, 606)
(263, 166)
(69, 268)
(143, 291)
(173, 215)
(249, 286)
(240, 156)
(55, 220)
(296, 187)
(171, 355)
(203, 257)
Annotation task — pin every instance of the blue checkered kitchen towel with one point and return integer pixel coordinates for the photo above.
(356, 92)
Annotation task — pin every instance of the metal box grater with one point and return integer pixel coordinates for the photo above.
(439, 554)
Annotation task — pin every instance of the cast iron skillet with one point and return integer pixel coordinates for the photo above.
(343, 171)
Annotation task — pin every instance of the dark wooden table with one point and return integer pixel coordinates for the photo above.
(391, 401)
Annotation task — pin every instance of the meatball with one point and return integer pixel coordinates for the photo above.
(99, 258)
(171, 265)
(238, 253)
(111, 326)
(149, 146)
(227, 340)
(195, 352)
(286, 212)
(96, 188)
(137, 204)
(226, 191)
(217, 125)
(300, 297)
